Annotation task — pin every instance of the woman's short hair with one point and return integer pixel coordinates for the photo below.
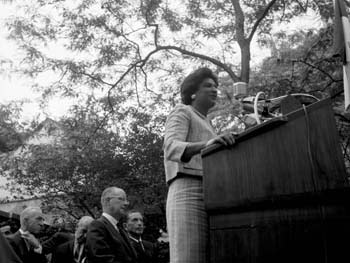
(191, 83)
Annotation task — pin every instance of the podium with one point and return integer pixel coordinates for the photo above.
(281, 193)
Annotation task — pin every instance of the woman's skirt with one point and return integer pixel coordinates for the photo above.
(187, 221)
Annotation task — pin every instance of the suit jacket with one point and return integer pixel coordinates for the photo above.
(183, 126)
(51, 244)
(64, 253)
(148, 255)
(104, 244)
(20, 247)
(7, 254)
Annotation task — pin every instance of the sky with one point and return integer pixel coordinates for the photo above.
(15, 87)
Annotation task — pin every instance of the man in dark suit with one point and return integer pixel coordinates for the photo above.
(51, 244)
(105, 240)
(134, 225)
(73, 251)
(23, 242)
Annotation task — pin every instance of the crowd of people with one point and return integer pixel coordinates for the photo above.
(114, 237)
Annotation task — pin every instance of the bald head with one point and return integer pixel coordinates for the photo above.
(85, 221)
(32, 220)
(114, 202)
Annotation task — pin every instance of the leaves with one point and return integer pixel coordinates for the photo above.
(69, 163)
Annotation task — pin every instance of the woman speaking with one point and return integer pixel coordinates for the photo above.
(187, 132)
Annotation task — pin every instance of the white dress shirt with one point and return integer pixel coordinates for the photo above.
(111, 219)
(36, 250)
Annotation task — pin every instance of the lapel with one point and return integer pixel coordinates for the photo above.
(70, 247)
(23, 252)
(128, 243)
(22, 246)
(120, 235)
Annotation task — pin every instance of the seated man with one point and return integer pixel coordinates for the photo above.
(134, 225)
(73, 251)
(105, 241)
(23, 242)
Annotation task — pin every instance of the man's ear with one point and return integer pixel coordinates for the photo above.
(24, 224)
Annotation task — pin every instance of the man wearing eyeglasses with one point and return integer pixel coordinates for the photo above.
(106, 241)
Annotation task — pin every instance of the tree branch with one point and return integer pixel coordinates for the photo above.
(156, 28)
(216, 62)
(319, 69)
(239, 19)
(136, 88)
(98, 79)
(263, 15)
(142, 62)
(145, 81)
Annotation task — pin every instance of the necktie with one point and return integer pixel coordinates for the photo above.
(78, 252)
(27, 244)
(127, 241)
(140, 244)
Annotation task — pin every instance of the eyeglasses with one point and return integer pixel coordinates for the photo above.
(120, 198)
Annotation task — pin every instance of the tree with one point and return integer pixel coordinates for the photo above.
(70, 172)
(300, 62)
(135, 51)
(118, 48)
(118, 44)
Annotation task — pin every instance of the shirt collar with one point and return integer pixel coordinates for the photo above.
(21, 231)
(136, 240)
(111, 219)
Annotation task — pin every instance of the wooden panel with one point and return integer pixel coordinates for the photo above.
(298, 235)
(281, 193)
(300, 156)
(252, 219)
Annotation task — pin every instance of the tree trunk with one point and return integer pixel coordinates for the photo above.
(245, 61)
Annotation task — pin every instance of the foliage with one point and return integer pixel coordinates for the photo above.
(136, 50)
(302, 63)
(115, 45)
(71, 169)
(10, 127)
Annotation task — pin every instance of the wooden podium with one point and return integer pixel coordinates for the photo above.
(281, 193)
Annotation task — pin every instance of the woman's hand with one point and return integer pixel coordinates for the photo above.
(226, 139)
(195, 147)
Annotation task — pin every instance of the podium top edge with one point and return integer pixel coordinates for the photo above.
(270, 124)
